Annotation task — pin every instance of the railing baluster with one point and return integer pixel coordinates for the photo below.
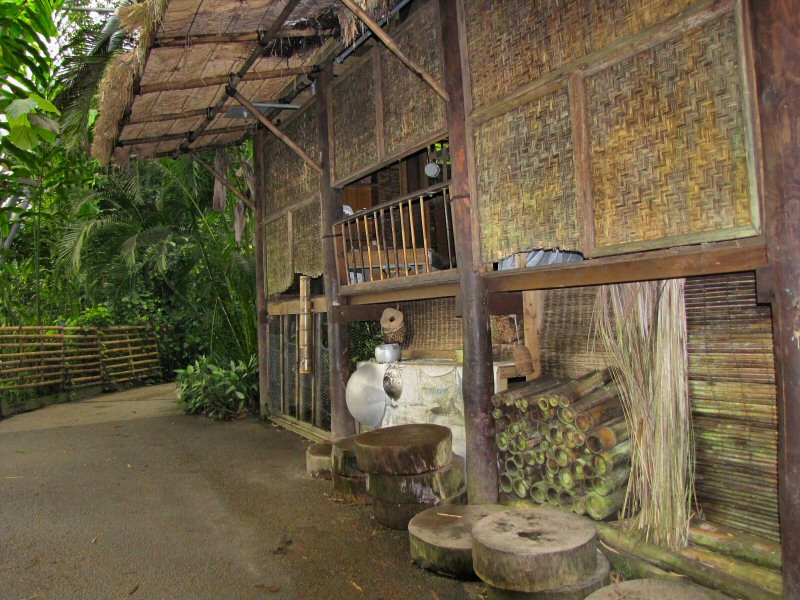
(378, 240)
(424, 234)
(448, 230)
(344, 256)
(413, 235)
(394, 242)
(369, 246)
(385, 245)
(403, 237)
(352, 250)
(360, 250)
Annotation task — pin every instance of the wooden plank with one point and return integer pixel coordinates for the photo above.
(687, 261)
(776, 31)
(439, 284)
(533, 315)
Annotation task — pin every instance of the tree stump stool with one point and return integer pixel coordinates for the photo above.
(441, 537)
(343, 457)
(576, 591)
(433, 487)
(534, 549)
(318, 459)
(404, 449)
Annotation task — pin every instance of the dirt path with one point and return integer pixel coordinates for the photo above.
(122, 496)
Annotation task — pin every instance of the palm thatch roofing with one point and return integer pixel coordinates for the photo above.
(156, 99)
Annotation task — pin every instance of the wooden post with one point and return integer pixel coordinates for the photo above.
(478, 381)
(776, 28)
(342, 423)
(259, 166)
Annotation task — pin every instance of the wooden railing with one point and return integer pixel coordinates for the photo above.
(408, 236)
(58, 359)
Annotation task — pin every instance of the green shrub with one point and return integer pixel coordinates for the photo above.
(218, 392)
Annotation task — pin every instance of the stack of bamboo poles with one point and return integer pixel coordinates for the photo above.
(564, 445)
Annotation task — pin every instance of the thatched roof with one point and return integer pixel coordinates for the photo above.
(185, 52)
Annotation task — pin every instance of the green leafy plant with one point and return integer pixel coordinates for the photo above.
(218, 392)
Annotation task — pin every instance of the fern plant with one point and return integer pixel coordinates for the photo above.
(218, 392)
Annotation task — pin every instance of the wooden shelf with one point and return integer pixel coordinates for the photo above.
(439, 284)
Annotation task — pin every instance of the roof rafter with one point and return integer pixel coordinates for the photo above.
(225, 38)
(187, 84)
(171, 137)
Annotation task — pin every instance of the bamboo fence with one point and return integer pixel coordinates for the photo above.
(49, 359)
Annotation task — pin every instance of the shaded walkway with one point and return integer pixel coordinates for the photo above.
(122, 496)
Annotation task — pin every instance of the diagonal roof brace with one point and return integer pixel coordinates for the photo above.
(222, 179)
(391, 44)
(274, 129)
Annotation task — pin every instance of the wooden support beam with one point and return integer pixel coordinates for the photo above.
(231, 38)
(478, 380)
(157, 118)
(275, 131)
(259, 168)
(342, 423)
(389, 42)
(171, 137)
(188, 84)
(199, 160)
(776, 29)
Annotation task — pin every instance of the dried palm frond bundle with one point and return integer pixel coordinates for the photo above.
(350, 25)
(642, 327)
(220, 191)
(239, 220)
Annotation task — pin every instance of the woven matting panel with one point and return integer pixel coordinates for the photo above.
(289, 179)
(280, 275)
(513, 43)
(567, 342)
(411, 109)
(526, 179)
(732, 389)
(306, 239)
(667, 140)
(432, 325)
(354, 123)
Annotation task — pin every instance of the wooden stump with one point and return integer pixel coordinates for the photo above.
(650, 589)
(351, 489)
(343, 457)
(441, 537)
(396, 515)
(534, 549)
(576, 591)
(432, 487)
(318, 459)
(404, 449)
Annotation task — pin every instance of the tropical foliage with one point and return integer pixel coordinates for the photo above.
(218, 392)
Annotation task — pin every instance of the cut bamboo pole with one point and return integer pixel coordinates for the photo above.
(605, 437)
(608, 484)
(605, 462)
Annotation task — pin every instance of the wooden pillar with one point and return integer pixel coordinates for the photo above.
(776, 28)
(259, 166)
(342, 423)
(477, 382)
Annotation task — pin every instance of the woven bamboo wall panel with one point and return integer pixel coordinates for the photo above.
(306, 240)
(567, 345)
(411, 109)
(732, 389)
(355, 144)
(526, 179)
(432, 325)
(511, 43)
(667, 140)
(289, 178)
(278, 249)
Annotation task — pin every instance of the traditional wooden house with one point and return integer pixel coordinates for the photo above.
(424, 165)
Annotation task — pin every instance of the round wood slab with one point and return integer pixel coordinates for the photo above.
(441, 537)
(397, 515)
(431, 487)
(343, 456)
(534, 549)
(351, 489)
(405, 449)
(576, 591)
(318, 459)
(649, 589)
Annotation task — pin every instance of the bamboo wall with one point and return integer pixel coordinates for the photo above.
(732, 388)
(56, 359)
(380, 110)
(606, 127)
(292, 211)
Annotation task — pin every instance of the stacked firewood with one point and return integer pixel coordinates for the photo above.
(565, 445)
